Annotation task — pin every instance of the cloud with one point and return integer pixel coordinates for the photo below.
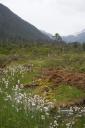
(76, 5)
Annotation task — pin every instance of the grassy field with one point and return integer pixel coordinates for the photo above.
(31, 98)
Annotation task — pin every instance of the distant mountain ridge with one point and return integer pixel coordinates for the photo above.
(78, 37)
(13, 27)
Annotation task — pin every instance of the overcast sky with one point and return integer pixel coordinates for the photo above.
(62, 16)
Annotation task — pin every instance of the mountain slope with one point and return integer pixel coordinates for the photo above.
(48, 34)
(13, 27)
(79, 37)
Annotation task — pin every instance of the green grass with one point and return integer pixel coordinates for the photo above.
(10, 118)
(66, 94)
(41, 56)
(45, 56)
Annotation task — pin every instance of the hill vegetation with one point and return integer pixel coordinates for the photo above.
(13, 28)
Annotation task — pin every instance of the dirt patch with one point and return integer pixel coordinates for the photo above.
(50, 79)
(61, 76)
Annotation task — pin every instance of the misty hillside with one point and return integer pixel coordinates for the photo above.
(15, 28)
(48, 34)
(79, 37)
